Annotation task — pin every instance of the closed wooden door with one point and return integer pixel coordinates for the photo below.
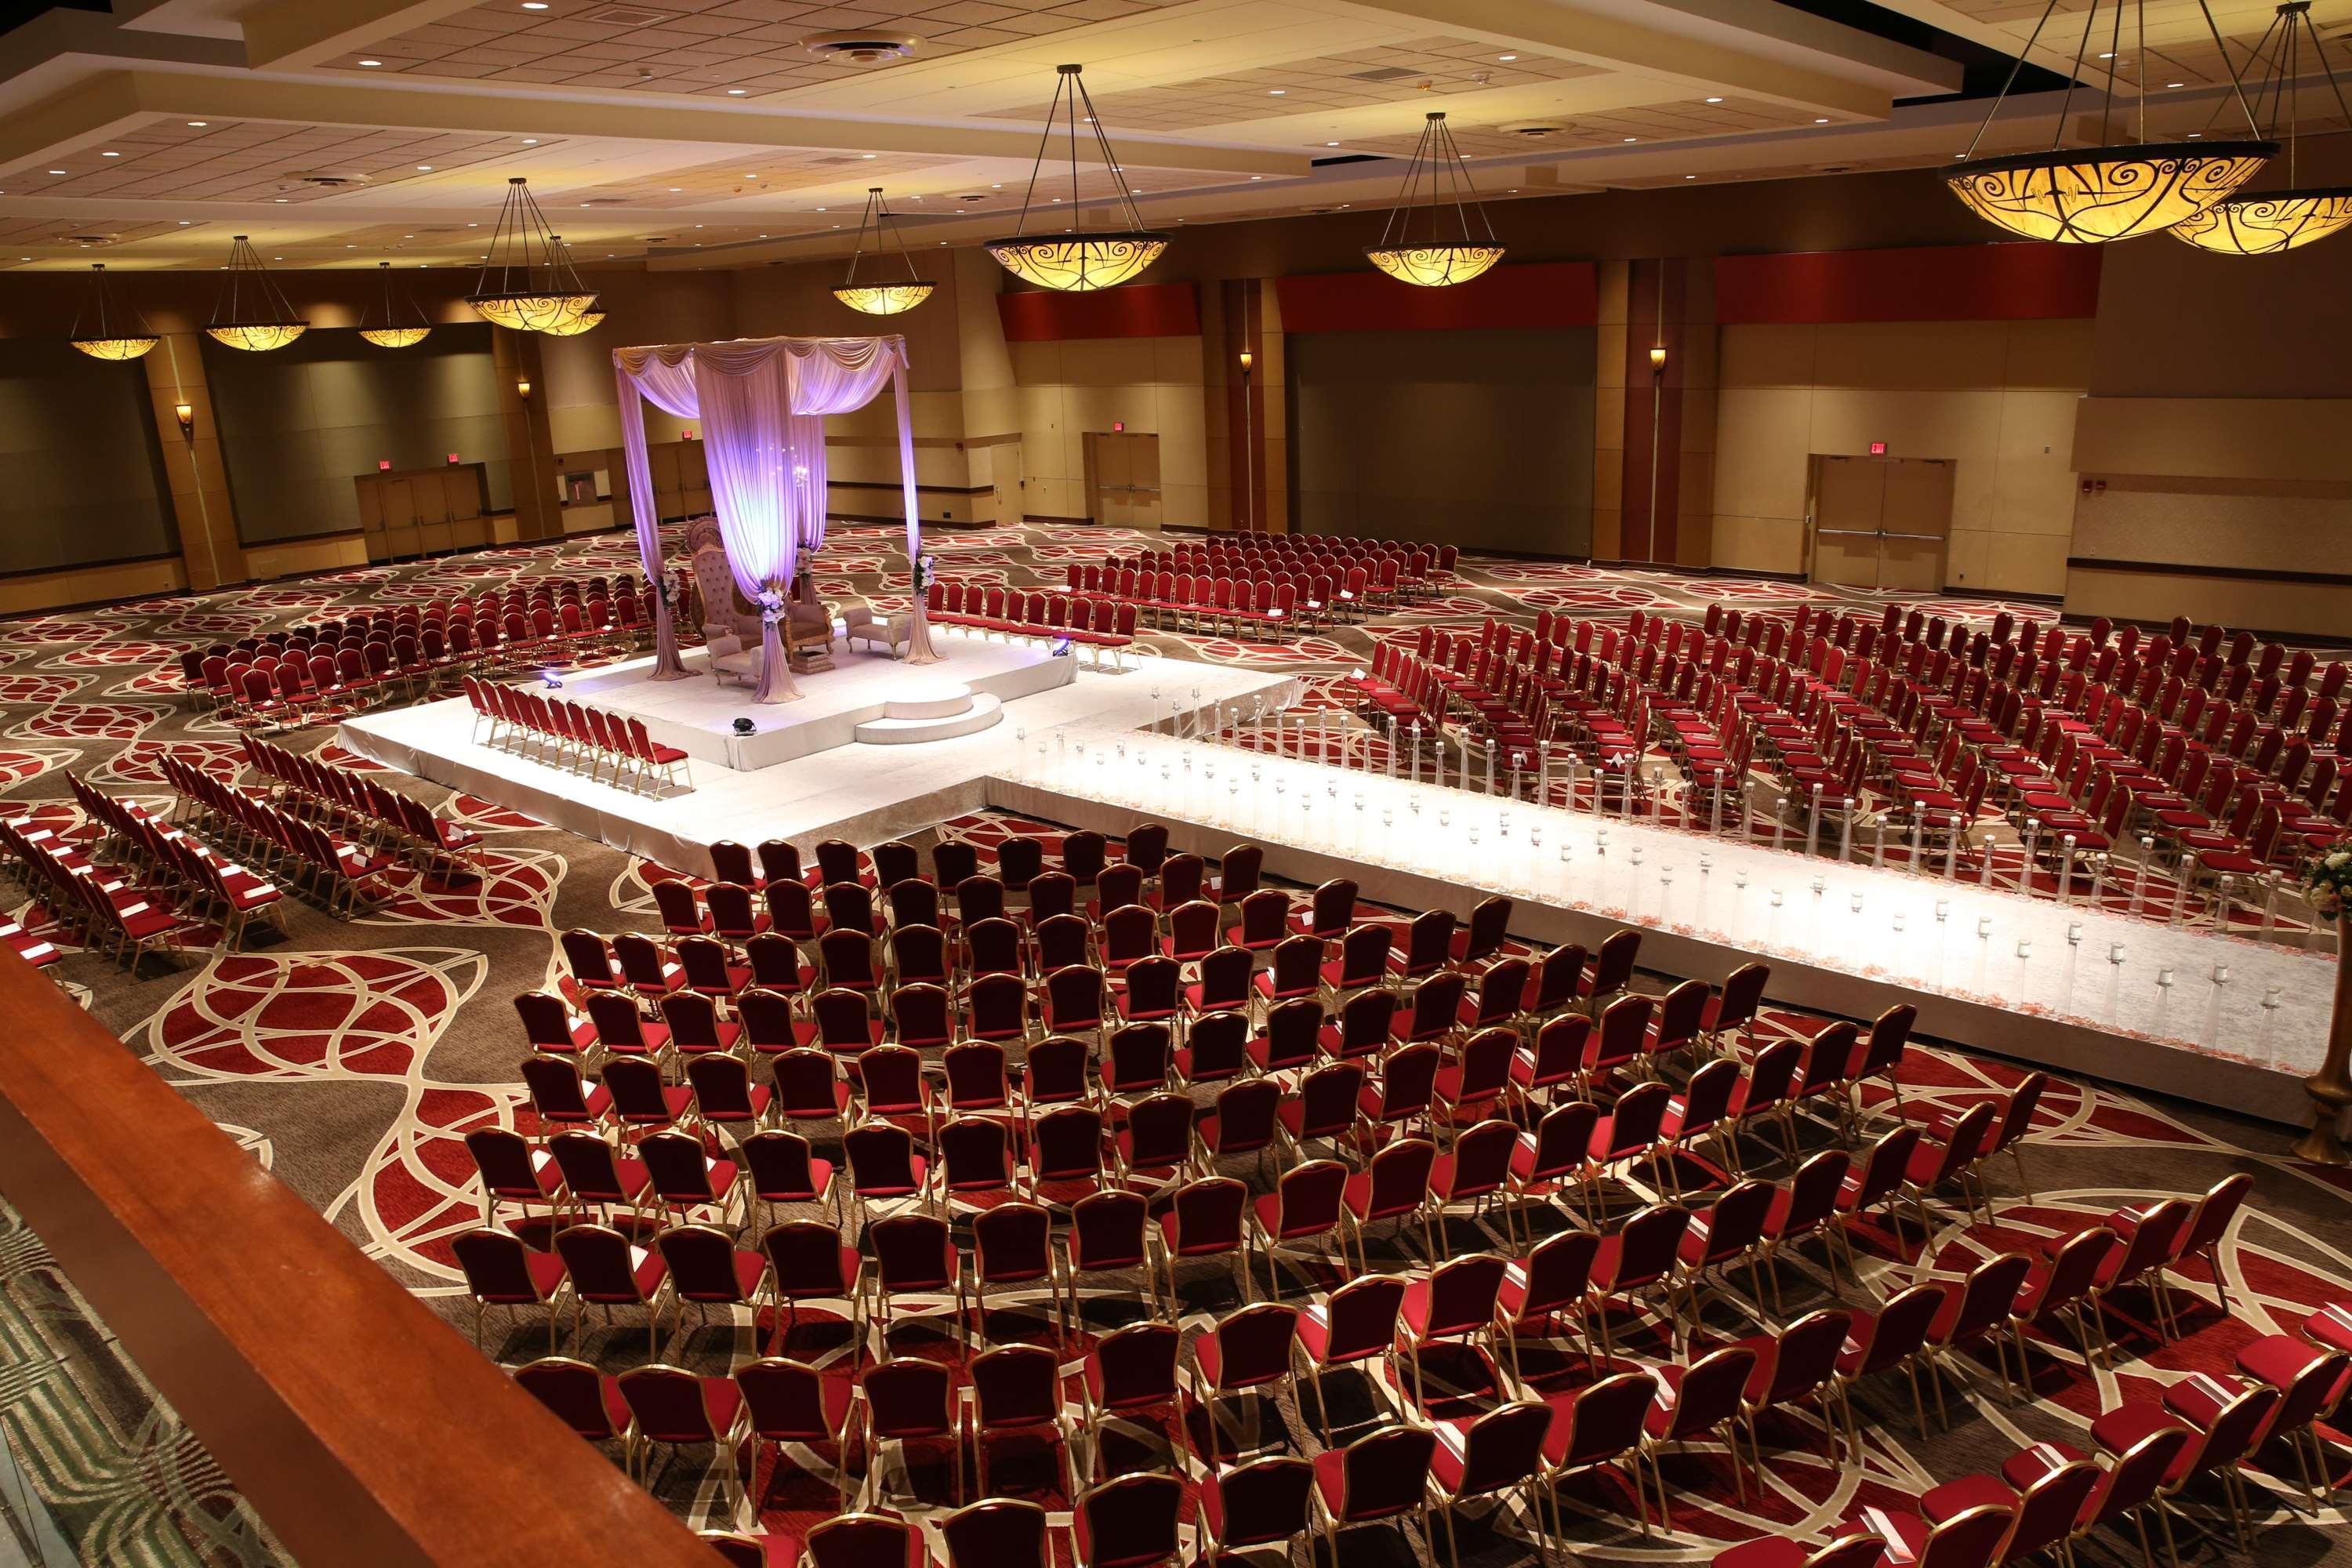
(1143, 480)
(1011, 492)
(370, 489)
(431, 490)
(694, 478)
(1881, 522)
(662, 462)
(400, 519)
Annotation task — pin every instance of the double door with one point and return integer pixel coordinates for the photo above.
(423, 511)
(1881, 522)
(1123, 479)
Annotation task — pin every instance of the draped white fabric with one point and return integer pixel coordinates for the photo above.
(762, 403)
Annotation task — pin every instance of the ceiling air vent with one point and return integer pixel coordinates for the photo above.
(323, 179)
(624, 16)
(1383, 73)
(1535, 130)
(860, 46)
(1836, 168)
(90, 241)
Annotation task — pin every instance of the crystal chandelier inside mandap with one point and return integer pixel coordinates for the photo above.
(2114, 189)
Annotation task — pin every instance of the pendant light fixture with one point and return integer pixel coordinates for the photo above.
(881, 298)
(251, 312)
(588, 320)
(2264, 223)
(2091, 195)
(114, 333)
(1434, 260)
(526, 284)
(1076, 261)
(397, 326)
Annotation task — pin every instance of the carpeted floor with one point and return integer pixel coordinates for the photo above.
(352, 1057)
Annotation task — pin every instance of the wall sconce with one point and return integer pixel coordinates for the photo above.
(1657, 358)
(1247, 359)
(522, 389)
(187, 415)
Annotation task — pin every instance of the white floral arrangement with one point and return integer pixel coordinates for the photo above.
(771, 607)
(2328, 882)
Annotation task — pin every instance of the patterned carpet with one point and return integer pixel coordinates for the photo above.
(352, 1057)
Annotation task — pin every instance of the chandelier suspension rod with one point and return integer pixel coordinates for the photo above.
(2139, 27)
(2015, 66)
(2236, 87)
(2114, 50)
(1399, 223)
(1110, 160)
(2075, 78)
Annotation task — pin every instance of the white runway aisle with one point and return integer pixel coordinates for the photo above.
(864, 793)
(2239, 1024)
(697, 716)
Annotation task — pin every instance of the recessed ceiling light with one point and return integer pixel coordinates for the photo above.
(750, 177)
(1690, 176)
(423, 168)
(1330, 143)
(1135, 193)
(23, 259)
(1507, 59)
(531, 140)
(534, 5)
(1258, 176)
(674, 189)
(1714, 100)
(109, 154)
(824, 209)
(996, 187)
(371, 62)
(281, 201)
(1632, 138)
(2107, 55)
(1278, 93)
(198, 124)
(2176, 84)
(736, 91)
(1824, 120)
(57, 170)
(2193, 135)
(867, 154)
(186, 221)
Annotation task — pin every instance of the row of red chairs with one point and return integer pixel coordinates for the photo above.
(384, 818)
(1098, 625)
(188, 874)
(567, 732)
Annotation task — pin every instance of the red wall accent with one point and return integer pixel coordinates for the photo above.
(1137, 311)
(1539, 294)
(2021, 282)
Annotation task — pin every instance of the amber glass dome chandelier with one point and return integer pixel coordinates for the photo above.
(114, 331)
(2264, 223)
(878, 298)
(588, 320)
(251, 312)
(1075, 261)
(2091, 195)
(527, 284)
(388, 325)
(1433, 253)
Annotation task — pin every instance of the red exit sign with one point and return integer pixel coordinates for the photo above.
(1878, 448)
(1118, 424)
(383, 463)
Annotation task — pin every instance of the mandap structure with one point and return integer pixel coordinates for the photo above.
(762, 403)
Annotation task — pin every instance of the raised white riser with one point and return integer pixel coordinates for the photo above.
(940, 701)
(981, 712)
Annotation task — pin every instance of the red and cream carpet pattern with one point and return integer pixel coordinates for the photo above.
(351, 1058)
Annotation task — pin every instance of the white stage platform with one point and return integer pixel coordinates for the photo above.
(959, 695)
(2234, 1023)
(865, 792)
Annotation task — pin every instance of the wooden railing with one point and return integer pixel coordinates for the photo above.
(360, 1426)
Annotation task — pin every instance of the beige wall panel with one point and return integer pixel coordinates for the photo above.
(1914, 423)
(2048, 354)
(2034, 488)
(1184, 505)
(90, 584)
(1759, 543)
(1609, 418)
(1608, 533)
(2256, 532)
(1699, 354)
(2027, 563)
(1609, 354)
(1765, 355)
(991, 411)
(1891, 354)
(1097, 408)
(2249, 437)
(2316, 607)
(1036, 365)
(1056, 497)
(1107, 362)
(1183, 447)
(1698, 419)
(985, 361)
(1612, 289)
(1762, 438)
(1966, 557)
(581, 427)
(1176, 361)
(303, 556)
(1608, 481)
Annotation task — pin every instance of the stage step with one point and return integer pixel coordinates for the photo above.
(972, 714)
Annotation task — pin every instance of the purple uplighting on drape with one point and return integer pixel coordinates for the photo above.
(762, 403)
